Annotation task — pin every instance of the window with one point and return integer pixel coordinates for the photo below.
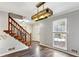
(60, 33)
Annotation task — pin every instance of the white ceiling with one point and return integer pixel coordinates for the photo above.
(28, 8)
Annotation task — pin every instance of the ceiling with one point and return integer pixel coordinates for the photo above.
(28, 8)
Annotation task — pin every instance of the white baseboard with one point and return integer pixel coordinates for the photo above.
(60, 50)
(9, 52)
(65, 51)
(35, 41)
(45, 45)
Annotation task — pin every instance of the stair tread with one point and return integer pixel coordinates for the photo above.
(18, 37)
(12, 34)
(7, 31)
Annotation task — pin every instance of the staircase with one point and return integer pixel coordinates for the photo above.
(18, 32)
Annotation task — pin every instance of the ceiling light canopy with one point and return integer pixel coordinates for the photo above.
(40, 4)
(43, 14)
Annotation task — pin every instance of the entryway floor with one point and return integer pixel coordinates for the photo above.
(38, 51)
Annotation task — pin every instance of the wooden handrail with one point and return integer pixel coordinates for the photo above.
(12, 25)
(18, 24)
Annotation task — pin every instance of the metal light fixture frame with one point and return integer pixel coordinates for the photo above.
(43, 14)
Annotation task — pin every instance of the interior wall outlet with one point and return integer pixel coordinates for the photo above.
(74, 51)
(13, 48)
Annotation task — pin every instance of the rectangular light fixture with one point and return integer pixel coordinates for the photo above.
(42, 14)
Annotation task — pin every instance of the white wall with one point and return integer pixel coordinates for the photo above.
(8, 41)
(36, 31)
(45, 35)
(27, 26)
(73, 30)
(3, 20)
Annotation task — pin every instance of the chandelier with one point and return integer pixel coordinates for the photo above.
(43, 14)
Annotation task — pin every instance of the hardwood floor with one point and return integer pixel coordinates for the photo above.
(38, 51)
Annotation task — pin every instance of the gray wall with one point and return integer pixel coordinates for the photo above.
(73, 30)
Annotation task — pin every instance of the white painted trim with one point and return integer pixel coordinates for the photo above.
(65, 51)
(9, 52)
(44, 45)
(36, 40)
